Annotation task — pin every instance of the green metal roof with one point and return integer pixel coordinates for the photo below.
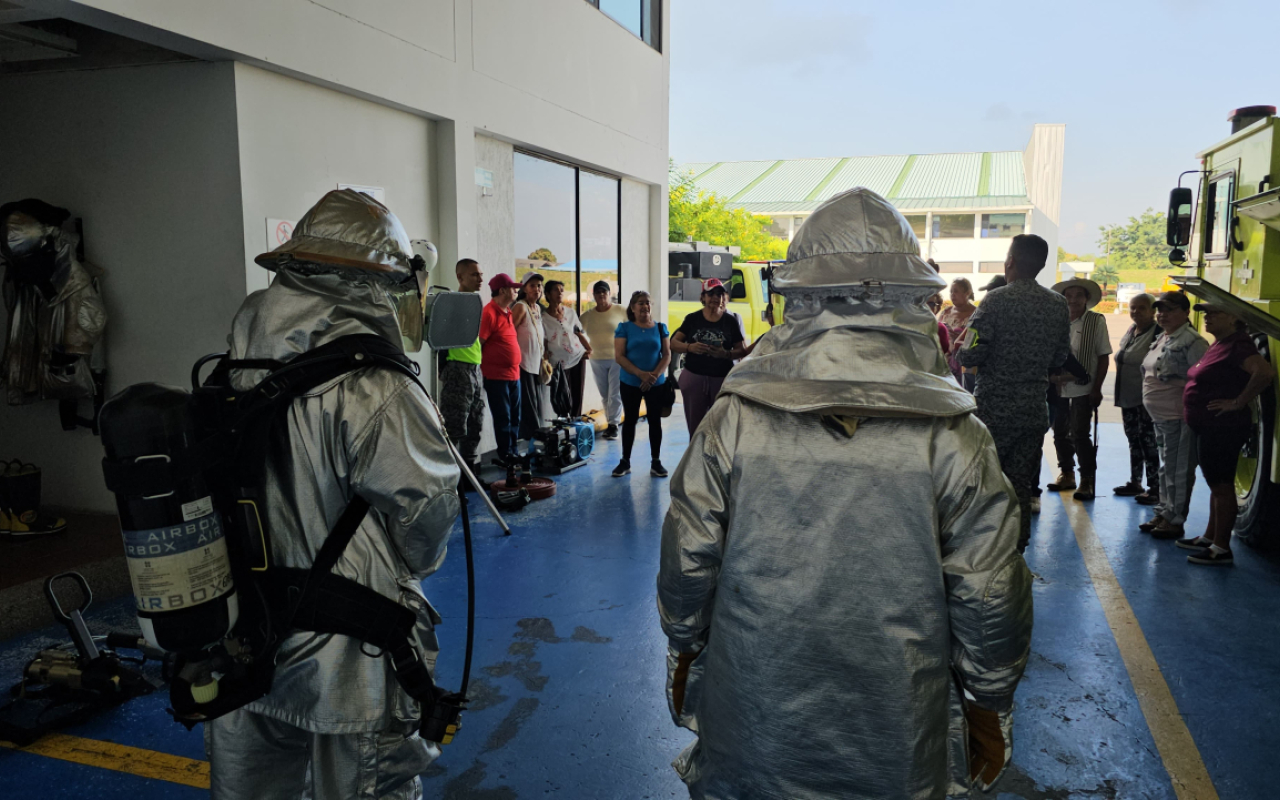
(918, 182)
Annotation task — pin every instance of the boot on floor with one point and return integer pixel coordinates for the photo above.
(1065, 481)
(20, 497)
(1086, 490)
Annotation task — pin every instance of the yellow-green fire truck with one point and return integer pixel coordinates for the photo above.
(1228, 218)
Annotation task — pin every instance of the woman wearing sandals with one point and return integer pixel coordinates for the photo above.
(642, 348)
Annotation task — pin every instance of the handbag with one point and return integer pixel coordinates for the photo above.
(545, 372)
(561, 396)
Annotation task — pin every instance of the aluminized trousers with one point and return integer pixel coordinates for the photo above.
(1178, 457)
(255, 757)
(608, 378)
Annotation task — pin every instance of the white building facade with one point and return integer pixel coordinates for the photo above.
(184, 133)
(964, 207)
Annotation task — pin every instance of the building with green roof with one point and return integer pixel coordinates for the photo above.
(963, 206)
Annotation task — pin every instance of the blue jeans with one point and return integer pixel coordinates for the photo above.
(504, 405)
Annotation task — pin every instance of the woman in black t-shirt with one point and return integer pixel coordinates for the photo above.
(710, 339)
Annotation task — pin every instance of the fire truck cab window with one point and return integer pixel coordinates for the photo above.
(1218, 203)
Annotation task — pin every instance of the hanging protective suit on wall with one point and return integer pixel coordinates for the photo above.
(55, 311)
(839, 556)
(334, 711)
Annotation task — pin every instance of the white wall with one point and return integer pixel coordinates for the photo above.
(636, 243)
(495, 210)
(554, 75)
(1047, 229)
(299, 141)
(147, 157)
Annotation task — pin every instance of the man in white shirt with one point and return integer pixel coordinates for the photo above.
(1091, 345)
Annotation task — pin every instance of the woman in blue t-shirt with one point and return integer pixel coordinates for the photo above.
(642, 349)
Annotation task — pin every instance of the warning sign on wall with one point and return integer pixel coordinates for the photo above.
(279, 231)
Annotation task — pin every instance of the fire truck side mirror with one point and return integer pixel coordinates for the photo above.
(1178, 225)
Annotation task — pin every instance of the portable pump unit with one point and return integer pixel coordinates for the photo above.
(564, 446)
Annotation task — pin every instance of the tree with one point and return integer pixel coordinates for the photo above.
(706, 217)
(543, 254)
(1138, 245)
(1106, 275)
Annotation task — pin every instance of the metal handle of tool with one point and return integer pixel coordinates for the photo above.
(74, 619)
(480, 490)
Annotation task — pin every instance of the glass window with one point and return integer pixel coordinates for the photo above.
(638, 16)
(1217, 237)
(955, 266)
(546, 220)
(598, 219)
(567, 227)
(953, 226)
(1003, 226)
(919, 224)
(991, 266)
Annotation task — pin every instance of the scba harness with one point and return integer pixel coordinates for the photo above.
(188, 471)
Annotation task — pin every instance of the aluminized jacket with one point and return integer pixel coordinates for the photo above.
(373, 433)
(840, 552)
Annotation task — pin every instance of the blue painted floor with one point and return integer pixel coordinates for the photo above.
(568, 684)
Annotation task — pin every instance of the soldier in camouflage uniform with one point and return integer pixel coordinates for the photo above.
(461, 385)
(1019, 333)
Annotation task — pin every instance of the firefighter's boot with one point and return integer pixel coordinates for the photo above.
(21, 495)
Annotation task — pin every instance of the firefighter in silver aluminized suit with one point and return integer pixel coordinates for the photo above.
(336, 721)
(846, 611)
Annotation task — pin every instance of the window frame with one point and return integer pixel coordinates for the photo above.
(1211, 192)
(935, 229)
(577, 219)
(650, 22)
(982, 225)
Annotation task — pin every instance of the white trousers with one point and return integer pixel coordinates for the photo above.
(607, 374)
(1178, 456)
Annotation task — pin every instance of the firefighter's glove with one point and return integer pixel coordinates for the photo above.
(678, 680)
(989, 750)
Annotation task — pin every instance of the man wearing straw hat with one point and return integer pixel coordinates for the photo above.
(1078, 403)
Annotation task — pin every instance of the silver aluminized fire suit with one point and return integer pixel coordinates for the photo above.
(333, 712)
(840, 548)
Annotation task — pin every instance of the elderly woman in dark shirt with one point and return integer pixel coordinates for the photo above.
(1215, 405)
(1138, 427)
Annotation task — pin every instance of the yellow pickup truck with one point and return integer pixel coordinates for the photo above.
(747, 282)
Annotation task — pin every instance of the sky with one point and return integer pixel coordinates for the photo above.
(1142, 85)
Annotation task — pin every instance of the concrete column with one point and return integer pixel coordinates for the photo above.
(659, 221)
(455, 197)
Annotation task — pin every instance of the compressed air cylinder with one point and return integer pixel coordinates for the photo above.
(174, 541)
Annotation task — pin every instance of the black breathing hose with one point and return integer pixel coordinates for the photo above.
(471, 595)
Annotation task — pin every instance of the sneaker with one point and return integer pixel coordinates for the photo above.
(623, 468)
(657, 470)
(1130, 489)
(1150, 525)
(1035, 505)
(1194, 543)
(1167, 530)
(1211, 558)
(610, 432)
(1065, 481)
(1148, 498)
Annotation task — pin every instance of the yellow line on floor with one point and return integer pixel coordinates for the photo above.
(1177, 749)
(121, 758)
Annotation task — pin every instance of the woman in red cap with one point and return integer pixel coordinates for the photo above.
(710, 339)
